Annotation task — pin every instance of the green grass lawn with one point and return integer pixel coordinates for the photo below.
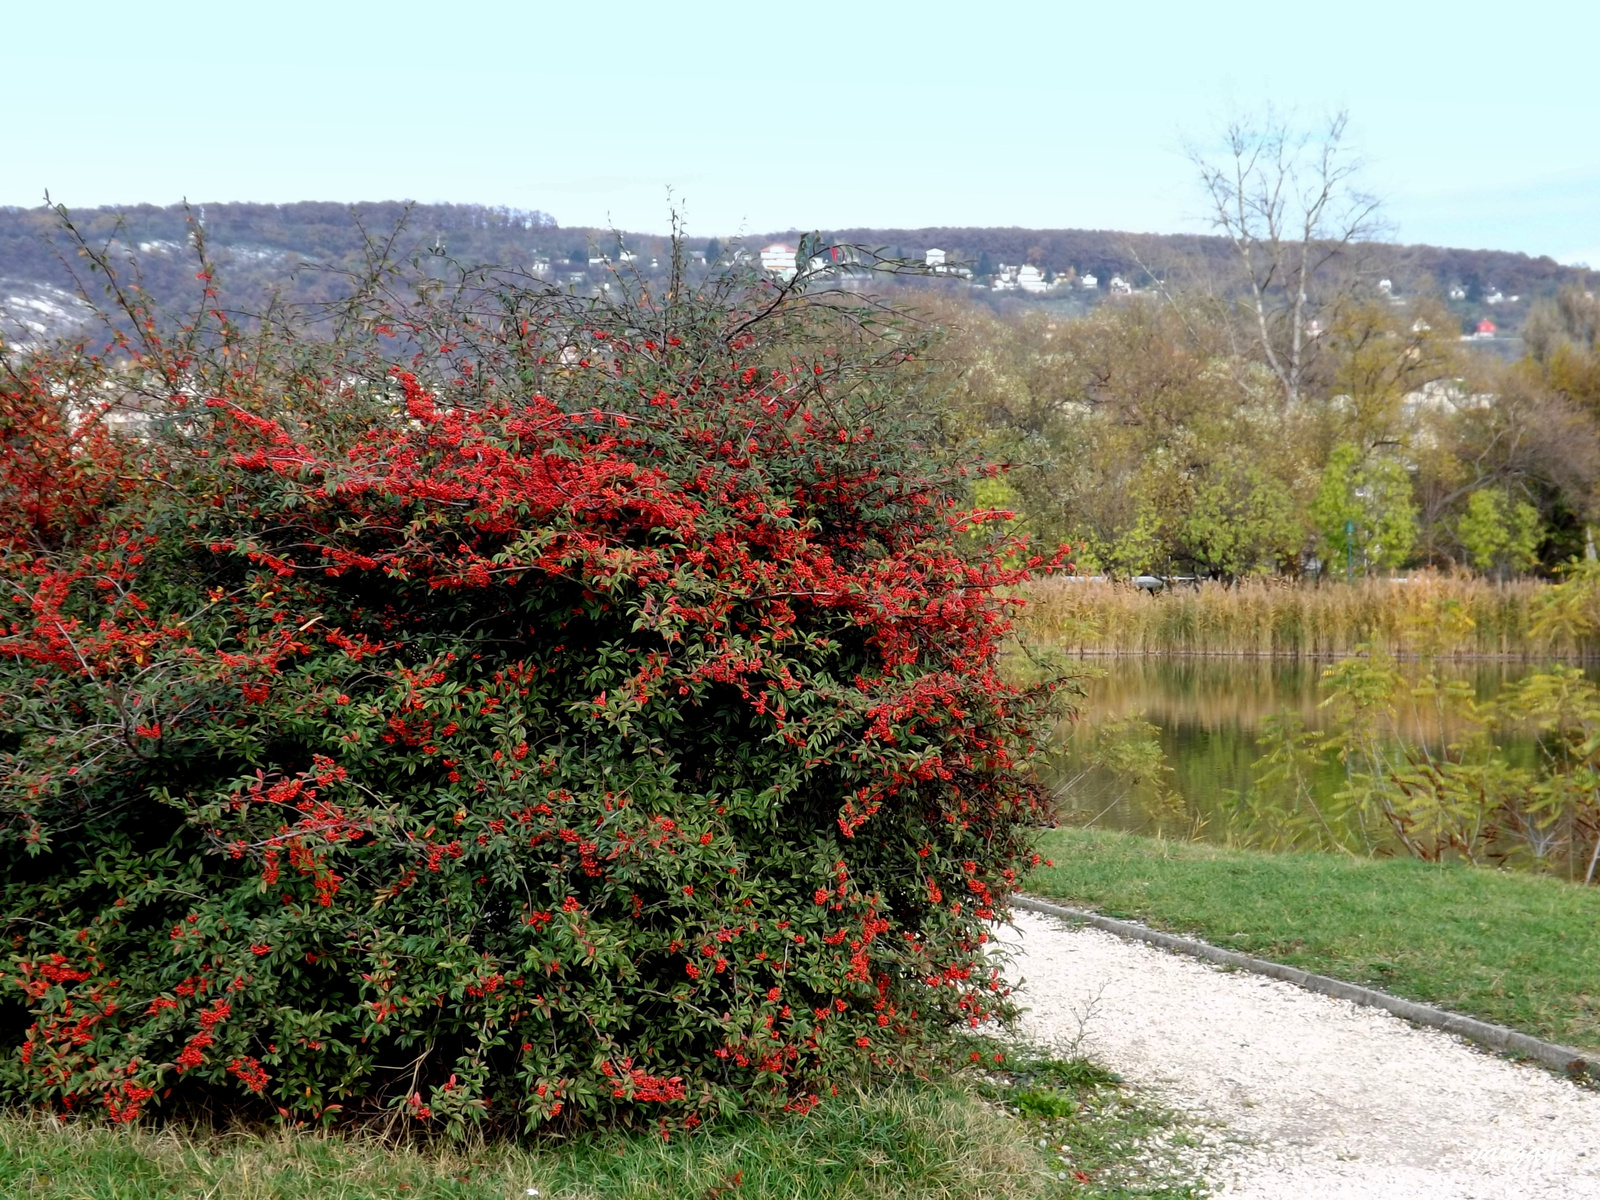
(928, 1142)
(1521, 950)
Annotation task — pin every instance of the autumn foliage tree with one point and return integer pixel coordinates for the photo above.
(507, 708)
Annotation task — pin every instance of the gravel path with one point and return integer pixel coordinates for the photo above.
(1319, 1098)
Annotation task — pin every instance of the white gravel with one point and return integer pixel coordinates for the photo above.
(1315, 1097)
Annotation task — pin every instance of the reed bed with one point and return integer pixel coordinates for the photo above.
(1425, 615)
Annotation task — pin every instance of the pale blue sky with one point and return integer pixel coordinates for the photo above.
(1480, 123)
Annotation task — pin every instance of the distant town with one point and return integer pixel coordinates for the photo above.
(299, 252)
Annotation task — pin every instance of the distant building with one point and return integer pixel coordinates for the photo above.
(1120, 286)
(1030, 278)
(1385, 287)
(934, 258)
(1458, 292)
(1486, 329)
(1495, 297)
(1088, 282)
(1443, 395)
(778, 258)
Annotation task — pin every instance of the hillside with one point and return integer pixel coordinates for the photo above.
(299, 250)
(1412, 268)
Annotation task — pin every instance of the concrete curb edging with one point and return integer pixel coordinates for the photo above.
(1495, 1037)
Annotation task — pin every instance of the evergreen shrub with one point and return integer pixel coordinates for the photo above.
(493, 707)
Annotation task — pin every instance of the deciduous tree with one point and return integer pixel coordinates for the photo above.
(1287, 200)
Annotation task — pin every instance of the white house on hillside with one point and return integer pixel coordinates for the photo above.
(778, 258)
(1030, 278)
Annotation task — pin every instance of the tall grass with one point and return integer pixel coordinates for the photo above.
(1425, 615)
(898, 1144)
(982, 1136)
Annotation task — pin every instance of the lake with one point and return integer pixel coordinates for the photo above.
(1208, 716)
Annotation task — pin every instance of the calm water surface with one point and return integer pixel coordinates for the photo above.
(1209, 713)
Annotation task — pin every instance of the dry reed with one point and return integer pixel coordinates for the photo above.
(1427, 614)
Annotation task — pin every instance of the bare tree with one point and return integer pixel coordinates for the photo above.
(1286, 199)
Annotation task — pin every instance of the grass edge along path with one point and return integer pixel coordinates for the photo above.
(958, 1139)
(1500, 1038)
(1518, 950)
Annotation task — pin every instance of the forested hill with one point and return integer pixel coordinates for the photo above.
(262, 248)
(1106, 252)
(311, 230)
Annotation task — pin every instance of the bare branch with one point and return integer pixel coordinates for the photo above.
(1286, 202)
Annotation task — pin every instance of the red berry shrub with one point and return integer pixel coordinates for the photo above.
(512, 710)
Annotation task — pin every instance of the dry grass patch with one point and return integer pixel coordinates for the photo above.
(1426, 614)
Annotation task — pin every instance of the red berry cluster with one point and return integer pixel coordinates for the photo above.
(530, 712)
